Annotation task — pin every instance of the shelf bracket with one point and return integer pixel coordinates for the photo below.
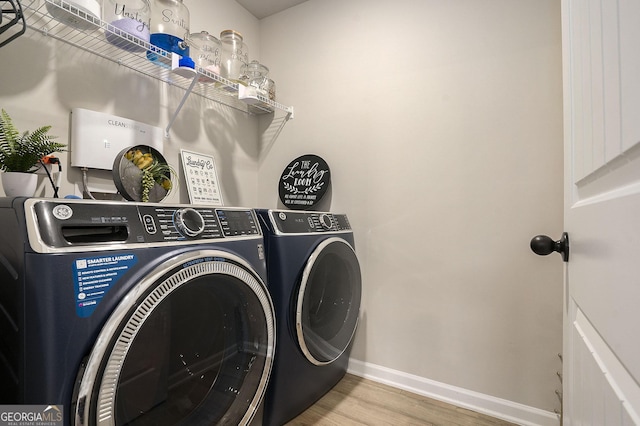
(186, 72)
(287, 117)
(269, 137)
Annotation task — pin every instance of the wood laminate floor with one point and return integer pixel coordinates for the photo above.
(358, 401)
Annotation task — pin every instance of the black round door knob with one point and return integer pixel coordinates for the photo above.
(543, 245)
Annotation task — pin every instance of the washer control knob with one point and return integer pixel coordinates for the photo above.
(325, 221)
(189, 222)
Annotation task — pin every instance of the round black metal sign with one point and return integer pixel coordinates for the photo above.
(304, 182)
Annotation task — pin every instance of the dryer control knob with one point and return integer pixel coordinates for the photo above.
(325, 221)
(189, 222)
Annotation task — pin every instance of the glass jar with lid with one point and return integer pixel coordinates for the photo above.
(128, 21)
(235, 56)
(270, 87)
(169, 29)
(256, 75)
(205, 51)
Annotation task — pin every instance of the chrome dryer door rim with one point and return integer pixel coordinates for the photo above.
(328, 301)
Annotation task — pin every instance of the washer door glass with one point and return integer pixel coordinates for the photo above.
(194, 348)
(328, 301)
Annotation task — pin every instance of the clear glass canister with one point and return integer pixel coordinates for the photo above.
(169, 29)
(256, 75)
(205, 51)
(127, 18)
(270, 87)
(235, 56)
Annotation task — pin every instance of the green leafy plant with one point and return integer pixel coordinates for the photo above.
(22, 152)
(153, 172)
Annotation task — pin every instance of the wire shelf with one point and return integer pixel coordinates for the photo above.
(88, 33)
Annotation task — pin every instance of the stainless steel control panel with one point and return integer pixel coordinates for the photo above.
(294, 222)
(65, 224)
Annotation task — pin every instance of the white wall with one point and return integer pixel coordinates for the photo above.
(42, 79)
(442, 125)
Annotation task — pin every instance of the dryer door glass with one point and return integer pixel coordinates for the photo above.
(328, 301)
(195, 349)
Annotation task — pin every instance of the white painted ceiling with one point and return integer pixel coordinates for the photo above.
(263, 8)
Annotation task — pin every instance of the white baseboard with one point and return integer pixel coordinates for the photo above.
(481, 403)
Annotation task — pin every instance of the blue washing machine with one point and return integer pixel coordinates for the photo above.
(133, 313)
(315, 284)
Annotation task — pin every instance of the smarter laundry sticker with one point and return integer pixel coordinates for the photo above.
(94, 276)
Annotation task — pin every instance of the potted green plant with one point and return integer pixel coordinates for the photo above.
(20, 155)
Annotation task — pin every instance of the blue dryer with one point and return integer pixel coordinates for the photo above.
(133, 313)
(315, 284)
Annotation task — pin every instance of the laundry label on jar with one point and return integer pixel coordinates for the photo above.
(304, 182)
(94, 276)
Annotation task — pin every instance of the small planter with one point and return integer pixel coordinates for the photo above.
(21, 153)
(18, 184)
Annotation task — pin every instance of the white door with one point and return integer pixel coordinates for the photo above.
(601, 54)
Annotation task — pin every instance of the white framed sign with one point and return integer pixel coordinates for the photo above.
(201, 177)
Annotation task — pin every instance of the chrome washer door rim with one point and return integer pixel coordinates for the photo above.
(155, 293)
